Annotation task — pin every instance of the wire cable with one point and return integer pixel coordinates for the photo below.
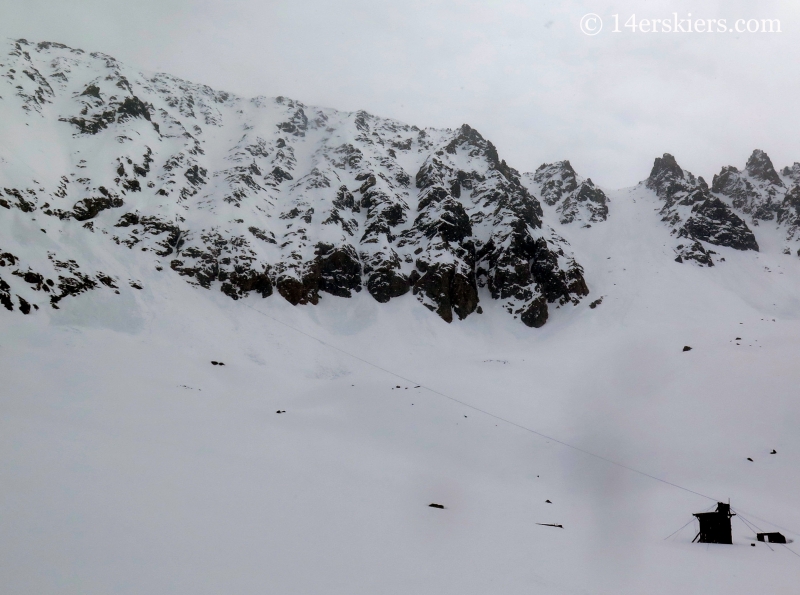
(748, 523)
(749, 526)
(674, 532)
(687, 524)
(502, 419)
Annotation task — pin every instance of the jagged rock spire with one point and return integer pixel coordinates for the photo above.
(708, 221)
(576, 199)
(759, 166)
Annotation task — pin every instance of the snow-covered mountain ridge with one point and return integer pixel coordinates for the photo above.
(141, 225)
(107, 173)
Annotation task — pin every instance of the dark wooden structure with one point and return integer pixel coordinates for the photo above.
(715, 527)
(771, 537)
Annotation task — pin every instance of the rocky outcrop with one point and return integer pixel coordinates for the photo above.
(303, 202)
(764, 195)
(759, 167)
(694, 214)
(60, 279)
(789, 217)
(757, 191)
(792, 173)
(576, 199)
(478, 218)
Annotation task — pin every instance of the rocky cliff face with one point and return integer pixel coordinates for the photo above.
(697, 218)
(757, 191)
(577, 200)
(258, 196)
(109, 175)
(764, 195)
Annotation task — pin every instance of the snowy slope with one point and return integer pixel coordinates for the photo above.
(130, 464)
(255, 196)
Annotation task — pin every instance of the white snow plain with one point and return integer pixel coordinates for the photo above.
(130, 464)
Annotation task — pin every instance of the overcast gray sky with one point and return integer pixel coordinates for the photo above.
(520, 72)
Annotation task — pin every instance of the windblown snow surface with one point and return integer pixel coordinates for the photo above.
(130, 464)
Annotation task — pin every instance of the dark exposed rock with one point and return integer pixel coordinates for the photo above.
(556, 284)
(789, 214)
(92, 90)
(5, 295)
(448, 290)
(667, 177)
(757, 191)
(167, 237)
(106, 280)
(73, 285)
(279, 175)
(297, 125)
(241, 281)
(712, 221)
(132, 185)
(759, 166)
(339, 269)
(576, 199)
(588, 197)
(518, 265)
(708, 219)
(693, 251)
(386, 282)
(24, 306)
(36, 280)
(299, 291)
(441, 215)
(133, 107)
(6, 258)
(196, 175)
(789, 210)
(555, 180)
(88, 208)
(24, 205)
(793, 172)
(114, 112)
(460, 220)
(262, 235)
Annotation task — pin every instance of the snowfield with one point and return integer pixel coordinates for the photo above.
(130, 464)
